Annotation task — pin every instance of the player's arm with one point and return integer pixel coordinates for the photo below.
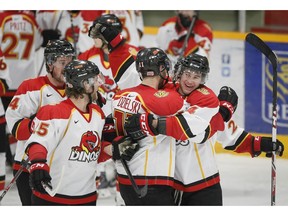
(238, 140)
(20, 113)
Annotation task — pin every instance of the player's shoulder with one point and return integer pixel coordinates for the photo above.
(92, 52)
(171, 20)
(30, 85)
(60, 110)
(203, 96)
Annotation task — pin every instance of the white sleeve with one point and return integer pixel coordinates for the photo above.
(165, 35)
(130, 78)
(230, 134)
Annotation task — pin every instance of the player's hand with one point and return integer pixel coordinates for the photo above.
(123, 147)
(39, 172)
(228, 102)
(139, 126)
(266, 145)
(50, 34)
(111, 35)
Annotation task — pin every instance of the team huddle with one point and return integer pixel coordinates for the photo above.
(150, 114)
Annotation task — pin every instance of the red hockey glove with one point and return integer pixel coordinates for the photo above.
(138, 126)
(123, 147)
(39, 172)
(265, 144)
(228, 102)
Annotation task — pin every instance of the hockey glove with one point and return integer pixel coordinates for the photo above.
(228, 102)
(265, 144)
(138, 126)
(123, 147)
(50, 34)
(109, 131)
(39, 172)
(110, 35)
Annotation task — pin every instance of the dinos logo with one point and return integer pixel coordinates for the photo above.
(282, 90)
(88, 149)
(108, 88)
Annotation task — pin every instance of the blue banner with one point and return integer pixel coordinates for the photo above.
(259, 88)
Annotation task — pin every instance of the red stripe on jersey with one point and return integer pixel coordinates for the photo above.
(150, 180)
(2, 185)
(215, 179)
(2, 120)
(68, 200)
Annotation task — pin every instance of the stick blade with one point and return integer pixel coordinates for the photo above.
(259, 44)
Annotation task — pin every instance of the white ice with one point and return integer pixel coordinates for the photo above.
(245, 182)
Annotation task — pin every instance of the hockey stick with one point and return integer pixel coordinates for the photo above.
(194, 18)
(140, 192)
(24, 164)
(265, 49)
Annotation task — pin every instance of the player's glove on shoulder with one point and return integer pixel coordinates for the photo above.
(228, 102)
(123, 147)
(138, 126)
(39, 172)
(265, 144)
(110, 35)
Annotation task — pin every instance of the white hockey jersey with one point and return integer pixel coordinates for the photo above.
(20, 39)
(168, 39)
(5, 82)
(30, 96)
(73, 143)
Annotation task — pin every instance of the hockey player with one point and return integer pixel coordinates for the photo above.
(171, 35)
(121, 54)
(148, 99)
(20, 38)
(133, 25)
(65, 145)
(203, 186)
(99, 54)
(30, 96)
(113, 63)
(5, 81)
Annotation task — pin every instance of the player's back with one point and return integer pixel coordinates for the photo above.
(20, 38)
(156, 156)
